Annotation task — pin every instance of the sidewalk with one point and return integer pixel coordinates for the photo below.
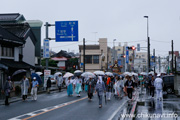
(18, 98)
(149, 108)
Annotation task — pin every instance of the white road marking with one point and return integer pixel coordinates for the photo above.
(115, 112)
(46, 109)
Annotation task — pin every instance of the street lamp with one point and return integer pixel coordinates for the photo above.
(113, 51)
(148, 44)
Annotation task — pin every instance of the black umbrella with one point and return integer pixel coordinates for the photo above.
(18, 72)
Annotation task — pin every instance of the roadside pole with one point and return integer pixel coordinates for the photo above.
(84, 54)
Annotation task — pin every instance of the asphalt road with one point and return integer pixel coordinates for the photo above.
(58, 106)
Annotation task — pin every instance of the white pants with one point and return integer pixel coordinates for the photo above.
(34, 93)
(108, 95)
(158, 93)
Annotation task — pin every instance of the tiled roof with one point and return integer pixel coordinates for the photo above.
(21, 30)
(5, 35)
(9, 17)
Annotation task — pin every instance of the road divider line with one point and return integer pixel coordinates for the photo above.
(45, 110)
(115, 112)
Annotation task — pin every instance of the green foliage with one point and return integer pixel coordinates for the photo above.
(51, 63)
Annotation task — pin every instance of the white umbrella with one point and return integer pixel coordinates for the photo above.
(77, 71)
(68, 74)
(88, 74)
(109, 74)
(99, 73)
(126, 73)
(57, 73)
(151, 73)
(135, 74)
(143, 73)
(39, 73)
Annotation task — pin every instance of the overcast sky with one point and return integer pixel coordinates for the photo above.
(112, 19)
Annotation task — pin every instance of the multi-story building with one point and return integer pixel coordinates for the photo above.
(93, 56)
(140, 62)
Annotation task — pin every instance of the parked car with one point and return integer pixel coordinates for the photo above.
(168, 81)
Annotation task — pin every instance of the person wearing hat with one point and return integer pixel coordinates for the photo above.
(59, 81)
(7, 89)
(129, 86)
(159, 86)
(35, 84)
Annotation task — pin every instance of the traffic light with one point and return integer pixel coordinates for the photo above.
(123, 56)
(131, 48)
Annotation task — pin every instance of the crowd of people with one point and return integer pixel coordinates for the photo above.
(104, 85)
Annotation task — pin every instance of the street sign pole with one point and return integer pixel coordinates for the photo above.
(47, 59)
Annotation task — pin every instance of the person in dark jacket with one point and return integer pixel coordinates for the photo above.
(129, 86)
(7, 89)
(48, 84)
(151, 86)
(91, 86)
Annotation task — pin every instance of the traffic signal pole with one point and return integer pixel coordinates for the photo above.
(84, 54)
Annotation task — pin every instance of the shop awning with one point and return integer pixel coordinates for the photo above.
(14, 64)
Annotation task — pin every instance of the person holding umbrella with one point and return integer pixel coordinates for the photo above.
(59, 81)
(100, 88)
(35, 84)
(7, 89)
(24, 87)
(109, 86)
(78, 83)
(69, 84)
(129, 86)
(91, 85)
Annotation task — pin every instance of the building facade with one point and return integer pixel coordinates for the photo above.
(97, 57)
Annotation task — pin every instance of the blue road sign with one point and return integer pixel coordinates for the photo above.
(138, 47)
(127, 55)
(46, 49)
(66, 31)
(119, 62)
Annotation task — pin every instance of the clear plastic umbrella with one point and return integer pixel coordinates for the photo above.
(99, 73)
(77, 71)
(68, 74)
(126, 73)
(109, 74)
(57, 73)
(87, 74)
(39, 73)
(18, 72)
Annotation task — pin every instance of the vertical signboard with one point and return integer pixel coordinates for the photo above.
(46, 49)
(127, 55)
(47, 73)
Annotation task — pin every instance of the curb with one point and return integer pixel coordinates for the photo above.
(19, 98)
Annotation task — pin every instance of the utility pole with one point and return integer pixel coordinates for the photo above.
(154, 61)
(84, 54)
(159, 64)
(107, 59)
(149, 54)
(172, 60)
(175, 65)
(47, 59)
